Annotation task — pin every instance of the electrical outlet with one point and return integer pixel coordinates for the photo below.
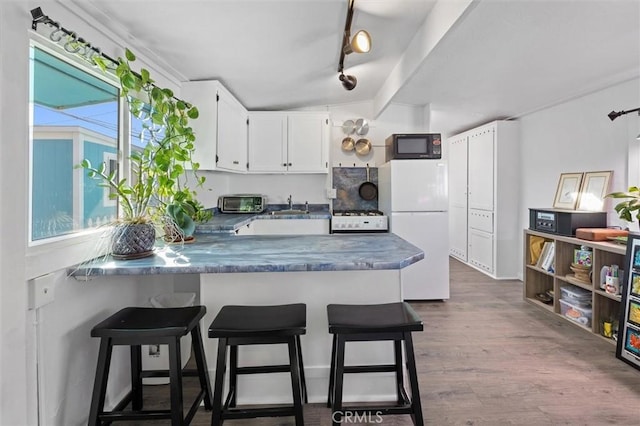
(41, 291)
(331, 193)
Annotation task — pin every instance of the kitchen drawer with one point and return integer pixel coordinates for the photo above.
(481, 220)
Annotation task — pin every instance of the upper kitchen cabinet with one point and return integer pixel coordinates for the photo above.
(221, 129)
(483, 198)
(288, 142)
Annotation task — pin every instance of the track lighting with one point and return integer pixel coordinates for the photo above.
(613, 115)
(348, 81)
(360, 43)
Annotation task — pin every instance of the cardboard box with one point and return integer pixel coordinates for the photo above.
(599, 234)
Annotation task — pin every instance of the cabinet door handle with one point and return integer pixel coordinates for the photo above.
(284, 164)
(236, 162)
(289, 164)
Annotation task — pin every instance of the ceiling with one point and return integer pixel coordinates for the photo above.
(495, 59)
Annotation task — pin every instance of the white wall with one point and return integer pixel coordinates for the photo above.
(63, 381)
(14, 383)
(577, 136)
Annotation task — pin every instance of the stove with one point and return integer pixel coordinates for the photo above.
(346, 221)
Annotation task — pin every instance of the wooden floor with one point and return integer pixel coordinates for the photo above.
(486, 357)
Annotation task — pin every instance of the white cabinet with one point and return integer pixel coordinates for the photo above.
(288, 142)
(245, 229)
(232, 133)
(308, 142)
(290, 227)
(481, 169)
(267, 142)
(458, 197)
(481, 250)
(221, 128)
(483, 198)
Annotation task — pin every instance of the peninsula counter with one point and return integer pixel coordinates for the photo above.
(279, 269)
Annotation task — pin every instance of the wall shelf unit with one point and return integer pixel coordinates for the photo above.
(604, 306)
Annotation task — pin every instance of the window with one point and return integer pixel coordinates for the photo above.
(74, 116)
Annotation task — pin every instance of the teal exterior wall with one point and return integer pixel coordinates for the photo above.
(94, 208)
(52, 196)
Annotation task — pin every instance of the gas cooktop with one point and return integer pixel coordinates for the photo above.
(343, 221)
(357, 213)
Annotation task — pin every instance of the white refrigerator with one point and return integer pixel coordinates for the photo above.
(414, 194)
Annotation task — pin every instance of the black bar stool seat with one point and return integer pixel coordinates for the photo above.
(136, 326)
(356, 323)
(252, 325)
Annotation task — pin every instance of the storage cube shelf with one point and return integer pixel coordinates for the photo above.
(563, 284)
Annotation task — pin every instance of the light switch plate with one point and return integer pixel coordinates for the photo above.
(41, 291)
(331, 193)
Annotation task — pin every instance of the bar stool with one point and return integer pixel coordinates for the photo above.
(358, 323)
(258, 325)
(134, 326)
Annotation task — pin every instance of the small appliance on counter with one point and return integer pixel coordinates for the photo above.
(242, 203)
(350, 221)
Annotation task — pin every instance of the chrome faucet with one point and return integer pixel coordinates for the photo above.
(290, 201)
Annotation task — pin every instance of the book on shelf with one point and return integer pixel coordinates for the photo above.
(549, 259)
(543, 253)
(545, 261)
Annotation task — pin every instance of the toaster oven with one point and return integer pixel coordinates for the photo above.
(242, 203)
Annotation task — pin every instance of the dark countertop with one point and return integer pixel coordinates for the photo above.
(225, 222)
(226, 252)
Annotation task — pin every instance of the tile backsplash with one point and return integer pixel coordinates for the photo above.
(347, 181)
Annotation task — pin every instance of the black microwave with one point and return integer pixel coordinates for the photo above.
(404, 146)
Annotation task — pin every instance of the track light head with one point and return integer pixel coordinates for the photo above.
(349, 82)
(613, 115)
(360, 43)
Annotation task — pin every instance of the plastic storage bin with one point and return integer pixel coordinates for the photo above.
(575, 312)
(156, 357)
(575, 295)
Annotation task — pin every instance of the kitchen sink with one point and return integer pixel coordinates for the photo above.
(288, 212)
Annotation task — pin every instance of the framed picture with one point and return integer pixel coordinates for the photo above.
(595, 186)
(568, 191)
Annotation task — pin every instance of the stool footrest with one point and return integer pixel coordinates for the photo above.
(264, 369)
(165, 373)
(136, 415)
(248, 413)
(384, 368)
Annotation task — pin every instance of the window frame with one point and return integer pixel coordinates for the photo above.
(53, 253)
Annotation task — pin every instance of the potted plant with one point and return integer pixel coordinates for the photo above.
(158, 194)
(630, 208)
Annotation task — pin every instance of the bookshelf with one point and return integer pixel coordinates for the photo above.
(539, 280)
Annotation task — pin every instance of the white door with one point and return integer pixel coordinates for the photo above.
(267, 142)
(458, 197)
(481, 250)
(427, 279)
(481, 170)
(232, 134)
(419, 185)
(308, 136)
